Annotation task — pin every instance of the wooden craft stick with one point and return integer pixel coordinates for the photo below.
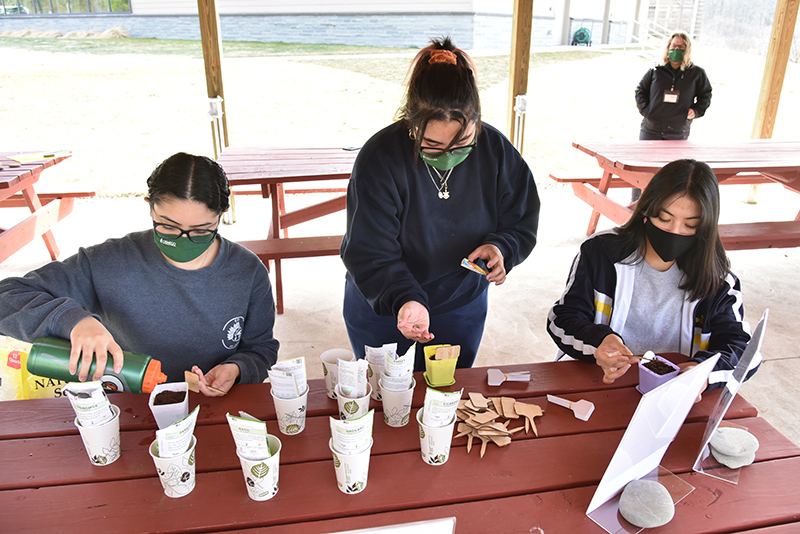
(193, 380)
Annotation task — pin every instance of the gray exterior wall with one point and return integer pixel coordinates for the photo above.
(468, 30)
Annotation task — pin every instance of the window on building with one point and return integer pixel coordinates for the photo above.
(47, 7)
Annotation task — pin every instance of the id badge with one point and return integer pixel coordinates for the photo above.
(671, 96)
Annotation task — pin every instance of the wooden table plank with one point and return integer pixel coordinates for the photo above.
(53, 417)
(396, 481)
(51, 460)
(710, 508)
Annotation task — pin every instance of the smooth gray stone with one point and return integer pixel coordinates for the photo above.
(734, 441)
(646, 504)
(733, 461)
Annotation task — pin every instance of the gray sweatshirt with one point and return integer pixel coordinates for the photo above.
(223, 313)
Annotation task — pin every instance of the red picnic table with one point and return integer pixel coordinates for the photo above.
(545, 482)
(304, 168)
(17, 179)
(755, 161)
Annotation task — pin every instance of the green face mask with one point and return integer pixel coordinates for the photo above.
(676, 55)
(444, 161)
(181, 249)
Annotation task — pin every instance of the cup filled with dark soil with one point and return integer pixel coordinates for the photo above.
(654, 372)
(169, 403)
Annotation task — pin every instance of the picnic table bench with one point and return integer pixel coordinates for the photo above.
(272, 169)
(633, 164)
(17, 180)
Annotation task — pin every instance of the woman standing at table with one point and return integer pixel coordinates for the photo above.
(671, 95)
(179, 292)
(660, 282)
(433, 188)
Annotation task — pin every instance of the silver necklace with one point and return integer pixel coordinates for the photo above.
(441, 187)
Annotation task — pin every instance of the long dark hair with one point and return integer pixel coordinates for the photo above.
(187, 177)
(705, 265)
(440, 91)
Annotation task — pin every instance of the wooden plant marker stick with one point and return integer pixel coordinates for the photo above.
(485, 440)
(500, 441)
(469, 441)
(508, 408)
(447, 353)
(497, 405)
(193, 380)
(478, 401)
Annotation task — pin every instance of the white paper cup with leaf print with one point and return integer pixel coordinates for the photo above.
(176, 473)
(102, 441)
(397, 405)
(351, 469)
(435, 441)
(330, 359)
(291, 413)
(353, 408)
(261, 476)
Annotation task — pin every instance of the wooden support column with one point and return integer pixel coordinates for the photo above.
(212, 57)
(780, 44)
(520, 58)
(606, 22)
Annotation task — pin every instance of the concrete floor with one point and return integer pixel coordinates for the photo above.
(515, 329)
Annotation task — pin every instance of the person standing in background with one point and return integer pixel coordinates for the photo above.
(671, 95)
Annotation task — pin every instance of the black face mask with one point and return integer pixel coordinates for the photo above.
(667, 245)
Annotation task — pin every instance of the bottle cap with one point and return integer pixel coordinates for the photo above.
(153, 376)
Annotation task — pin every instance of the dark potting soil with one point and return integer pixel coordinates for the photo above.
(659, 368)
(169, 397)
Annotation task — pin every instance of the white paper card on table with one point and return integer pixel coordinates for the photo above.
(445, 525)
(655, 423)
(751, 357)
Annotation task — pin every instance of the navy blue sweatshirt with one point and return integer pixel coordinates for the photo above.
(404, 243)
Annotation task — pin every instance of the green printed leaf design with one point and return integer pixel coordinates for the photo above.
(421, 433)
(404, 421)
(351, 407)
(369, 372)
(293, 429)
(336, 461)
(324, 370)
(100, 460)
(260, 470)
(191, 458)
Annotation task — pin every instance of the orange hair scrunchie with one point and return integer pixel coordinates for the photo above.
(443, 56)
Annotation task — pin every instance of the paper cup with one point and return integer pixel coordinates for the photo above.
(102, 441)
(353, 408)
(330, 359)
(351, 469)
(176, 473)
(166, 414)
(261, 476)
(374, 373)
(435, 441)
(291, 413)
(397, 405)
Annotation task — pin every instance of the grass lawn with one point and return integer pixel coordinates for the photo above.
(124, 105)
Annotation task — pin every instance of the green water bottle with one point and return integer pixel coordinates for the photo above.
(49, 357)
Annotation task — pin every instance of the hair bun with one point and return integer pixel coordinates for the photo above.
(443, 56)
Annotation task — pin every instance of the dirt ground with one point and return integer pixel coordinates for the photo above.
(122, 114)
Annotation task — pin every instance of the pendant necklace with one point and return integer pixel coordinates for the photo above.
(444, 194)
